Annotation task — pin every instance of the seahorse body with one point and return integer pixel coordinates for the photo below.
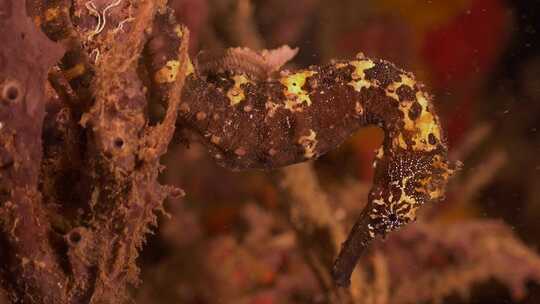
(250, 123)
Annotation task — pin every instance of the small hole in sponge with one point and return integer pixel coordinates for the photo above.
(74, 237)
(11, 91)
(119, 143)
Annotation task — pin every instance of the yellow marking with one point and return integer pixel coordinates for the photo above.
(391, 91)
(417, 127)
(309, 143)
(429, 188)
(439, 163)
(378, 156)
(425, 124)
(190, 69)
(215, 139)
(236, 94)
(74, 72)
(178, 31)
(399, 141)
(406, 200)
(421, 127)
(358, 75)
(296, 96)
(379, 202)
(380, 153)
(371, 233)
(406, 80)
(168, 73)
(51, 14)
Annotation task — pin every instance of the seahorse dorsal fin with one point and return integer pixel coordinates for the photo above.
(257, 64)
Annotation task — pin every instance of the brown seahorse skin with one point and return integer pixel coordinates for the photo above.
(248, 123)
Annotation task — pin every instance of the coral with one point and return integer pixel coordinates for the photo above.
(469, 253)
(24, 64)
(318, 231)
(58, 256)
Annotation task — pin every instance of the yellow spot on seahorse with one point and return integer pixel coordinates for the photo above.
(190, 69)
(404, 201)
(399, 141)
(309, 143)
(406, 80)
(380, 153)
(426, 124)
(178, 31)
(296, 96)
(421, 128)
(358, 76)
(439, 163)
(168, 72)
(236, 94)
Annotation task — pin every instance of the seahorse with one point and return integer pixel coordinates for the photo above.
(248, 121)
